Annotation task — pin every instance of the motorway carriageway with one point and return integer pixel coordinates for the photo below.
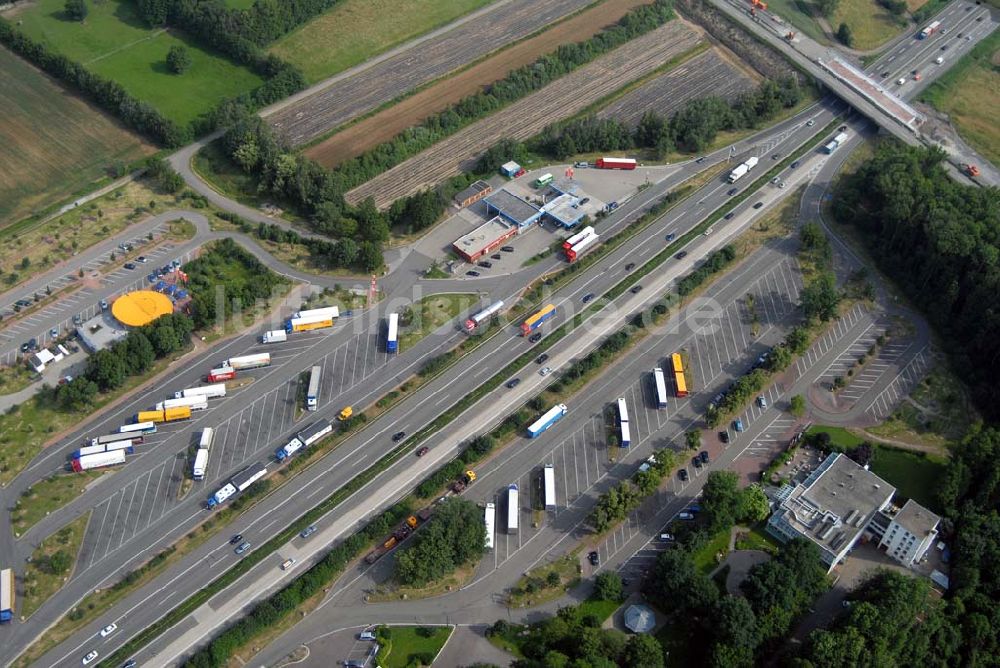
(349, 459)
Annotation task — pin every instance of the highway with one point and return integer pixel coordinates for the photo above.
(361, 450)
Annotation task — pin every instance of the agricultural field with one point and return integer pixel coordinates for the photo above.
(386, 124)
(527, 117)
(315, 115)
(355, 30)
(970, 94)
(706, 74)
(114, 43)
(871, 24)
(53, 145)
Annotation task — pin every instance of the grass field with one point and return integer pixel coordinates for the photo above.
(41, 581)
(914, 475)
(870, 23)
(706, 558)
(53, 145)
(407, 641)
(970, 93)
(355, 30)
(430, 313)
(47, 495)
(114, 43)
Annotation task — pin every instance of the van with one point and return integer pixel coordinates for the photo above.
(287, 564)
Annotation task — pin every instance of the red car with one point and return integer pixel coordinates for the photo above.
(520, 172)
(422, 451)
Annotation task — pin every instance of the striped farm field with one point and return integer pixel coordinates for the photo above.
(527, 117)
(53, 145)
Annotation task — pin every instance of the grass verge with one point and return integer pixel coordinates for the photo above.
(712, 553)
(47, 495)
(427, 314)
(407, 646)
(451, 582)
(51, 564)
(546, 583)
(15, 378)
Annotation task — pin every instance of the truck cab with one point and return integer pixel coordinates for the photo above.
(345, 413)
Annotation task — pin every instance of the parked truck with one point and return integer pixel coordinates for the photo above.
(463, 482)
(308, 323)
(311, 434)
(274, 336)
(512, 509)
(104, 447)
(615, 163)
(550, 417)
(742, 169)
(164, 415)
(200, 464)
(238, 483)
(220, 374)
(392, 334)
(249, 361)
(326, 312)
(98, 460)
(207, 391)
(193, 403)
(835, 143)
(7, 594)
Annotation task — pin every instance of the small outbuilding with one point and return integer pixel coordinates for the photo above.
(640, 618)
(510, 169)
(473, 193)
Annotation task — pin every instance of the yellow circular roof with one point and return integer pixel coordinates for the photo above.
(142, 307)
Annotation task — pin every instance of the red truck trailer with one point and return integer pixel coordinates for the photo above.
(615, 163)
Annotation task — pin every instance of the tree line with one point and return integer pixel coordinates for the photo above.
(110, 368)
(692, 128)
(453, 537)
(940, 240)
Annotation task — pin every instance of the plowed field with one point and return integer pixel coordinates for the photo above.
(704, 75)
(324, 110)
(528, 116)
(386, 124)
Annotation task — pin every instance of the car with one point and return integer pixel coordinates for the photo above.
(486, 265)
(308, 531)
(351, 663)
(724, 436)
(129, 664)
(398, 436)
(108, 630)
(535, 338)
(513, 382)
(794, 164)
(775, 156)
(594, 558)
(584, 200)
(541, 358)
(23, 303)
(916, 76)
(507, 249)
(979, 20)
(158, 273)
(236, 539)
(166, 269)
(151, 278)
(587, 297)
(366, 635)
(781, 184)
(243, 547)
(630, 266)
(472, 273)
(667, 537)
(671, 236)
(694, 508)
(762, 401)
(681, 255)
(700, 158)
(496, 256)
(900, 81)
(758, 205)
(104, 304)
(729, 216)
(423, 451)
(738, 424)
(130, 265)
(54, 333)
(811, 122)
(91, 655)
(636, 289)
(685, 516)
(696, 462)
(732, 191)
(944, 48)
(703, 456)
(775, 180)
(683, 475)
(287, 563)
(545, 371)
(77, 319)
(142, 258)
(886, 74)
(65, 379)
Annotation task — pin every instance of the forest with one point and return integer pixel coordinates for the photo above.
(940, 241)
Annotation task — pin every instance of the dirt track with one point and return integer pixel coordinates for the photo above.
(704, 75)
(386, 124)
(313, 116)
(528, 116)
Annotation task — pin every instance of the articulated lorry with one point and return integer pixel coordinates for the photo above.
(311, 434)
(194, 403)
(307, 323)
(550, 417)
(245, 362)
(742, 169)
(476, 320)
(7, 593)
(164, 415)
(207, 391)
(238, 483)
(98, 460)
(220, 374)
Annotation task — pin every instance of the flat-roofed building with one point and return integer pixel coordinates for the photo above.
(910, 533)
(473, 193)
(512, 208)
(485, 239)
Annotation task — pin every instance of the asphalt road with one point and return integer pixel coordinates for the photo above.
(486, 359)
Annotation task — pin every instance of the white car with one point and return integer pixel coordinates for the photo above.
(810, 123)
(685, 516)
(90, 657)
(545, 371)
(366, 635)
(288, 563)
(901, 81)
(108, 630)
